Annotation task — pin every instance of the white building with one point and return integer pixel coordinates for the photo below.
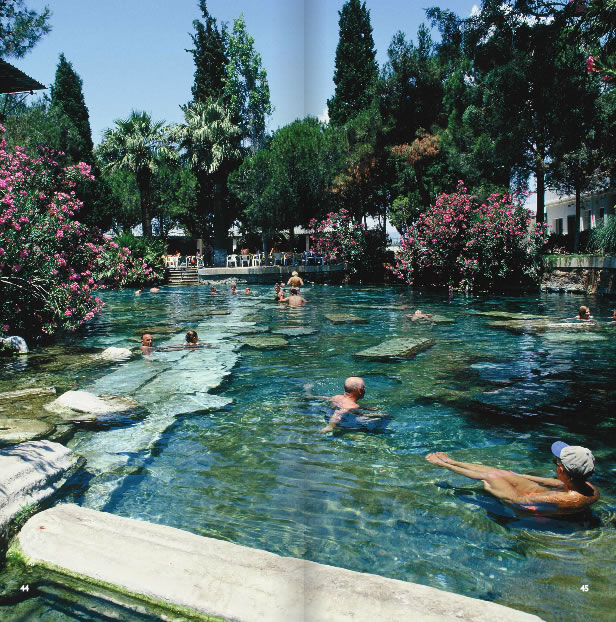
(595, 208)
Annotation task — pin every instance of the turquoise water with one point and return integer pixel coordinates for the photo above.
(228, 443)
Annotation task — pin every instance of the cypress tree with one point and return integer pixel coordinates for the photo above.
(356, 69)
(67, 98)
(209, 55)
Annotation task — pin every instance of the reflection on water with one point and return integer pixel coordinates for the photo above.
(230, 446)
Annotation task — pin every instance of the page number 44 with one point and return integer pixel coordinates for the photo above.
(584, 587)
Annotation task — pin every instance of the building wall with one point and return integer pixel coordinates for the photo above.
(595, 209)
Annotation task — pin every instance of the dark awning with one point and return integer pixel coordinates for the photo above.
(14, 81)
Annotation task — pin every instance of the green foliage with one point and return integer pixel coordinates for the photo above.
(67, 98)
(21, 28)
(603, 238)
(356, 72)
(139, 145)
(287, 183)
(246, 89)
(209, 56)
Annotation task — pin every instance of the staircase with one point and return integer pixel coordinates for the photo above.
(181, 276)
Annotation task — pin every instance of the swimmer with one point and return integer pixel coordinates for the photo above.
(247, 291)
(569, 493)
(146, 343)
(213, 291)
(294, 299)
(278, 292)
(233, 289)
(418, 315)
(584, 313)
(354, 390)
(154, 290)
(295, 280)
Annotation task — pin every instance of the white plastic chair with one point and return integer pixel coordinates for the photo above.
(231, 259)
(172, 261)
(245, 260)
(256, 260)
(277, 259)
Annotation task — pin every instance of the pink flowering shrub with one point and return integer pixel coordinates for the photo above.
(466, 244)
(51, 265)
(339, 239)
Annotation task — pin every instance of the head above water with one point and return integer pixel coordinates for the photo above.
(294, 273)
(584, 311)
(354, 385)
(294, 291)
(191, 336)
(146, 340)
(578, 462)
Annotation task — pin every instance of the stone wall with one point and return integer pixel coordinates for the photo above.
(580, 275)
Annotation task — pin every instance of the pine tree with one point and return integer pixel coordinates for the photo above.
(67, 98)
(356, 69)
(209, 56)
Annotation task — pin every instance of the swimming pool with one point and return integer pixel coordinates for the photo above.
(228, 443)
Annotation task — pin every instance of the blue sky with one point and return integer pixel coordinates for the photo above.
(130, 54)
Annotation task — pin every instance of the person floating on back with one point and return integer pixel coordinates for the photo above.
(569, 493)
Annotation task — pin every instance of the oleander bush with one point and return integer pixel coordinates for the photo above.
(52, 265)
(468, 244)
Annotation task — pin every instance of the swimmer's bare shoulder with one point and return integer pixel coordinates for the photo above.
(556, 502)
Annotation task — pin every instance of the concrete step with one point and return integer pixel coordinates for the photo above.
(184, 276)
(178, 568)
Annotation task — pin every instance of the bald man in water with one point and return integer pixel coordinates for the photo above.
(569, 493)
(354, 390)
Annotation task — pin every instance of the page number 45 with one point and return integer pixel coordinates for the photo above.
(584, 587)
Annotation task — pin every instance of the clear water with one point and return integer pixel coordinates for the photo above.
(227, 444)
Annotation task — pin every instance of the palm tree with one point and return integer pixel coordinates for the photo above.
(211, 145)
(140, 145)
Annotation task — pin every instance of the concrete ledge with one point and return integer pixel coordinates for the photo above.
(591, 261)
(270, 274)
(234, 582)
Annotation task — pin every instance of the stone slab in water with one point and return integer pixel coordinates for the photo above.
(345, 318)
(27, 393)
(396, 348)
(540, 326)
(19, 430)
(114, 354)
(29, 473)
(218, 312)
(295, 332)
(435, 319)
(506, 315)
(264, 343)
(575, 337)
(158, 330)
(83, 402)
(248, 330)
(213, 577)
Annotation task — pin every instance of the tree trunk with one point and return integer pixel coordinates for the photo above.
(292, 238)
(578, 214)
(540, 175)
(143, 181)
(264, 240)
(220, 226)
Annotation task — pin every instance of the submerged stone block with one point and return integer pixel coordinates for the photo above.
(266, 342)
(519, 327)
(506, 315)
(396, 348)
(434, 318)
(19, 430)
(295, 332)
(345, 318)
(573, 337)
